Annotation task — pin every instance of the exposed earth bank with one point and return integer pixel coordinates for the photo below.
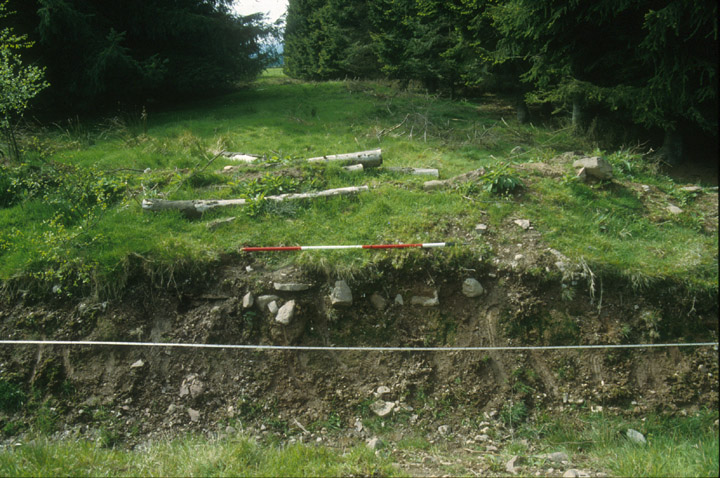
(467, 397)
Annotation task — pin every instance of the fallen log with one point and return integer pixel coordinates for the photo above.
(416, 171)
(245, 158)
(195, 207)
(369, 159)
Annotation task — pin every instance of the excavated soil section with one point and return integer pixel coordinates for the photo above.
(146, 393)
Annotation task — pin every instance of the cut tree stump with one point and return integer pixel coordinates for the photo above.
(195, 207)
(369, 159)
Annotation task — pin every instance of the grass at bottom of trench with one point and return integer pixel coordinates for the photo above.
(190, 456)
(676, 446)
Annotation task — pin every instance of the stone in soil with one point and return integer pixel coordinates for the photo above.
(425, 301)
(264, 300)
(378, 301)
(286, 313)
(248, 300)
(472, 288)
(382, 408)
(341, 295)
(291, 286)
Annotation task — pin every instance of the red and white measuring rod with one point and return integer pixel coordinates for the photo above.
(426, 245)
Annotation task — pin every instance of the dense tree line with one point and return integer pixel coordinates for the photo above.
(97, 53)
(652, 63)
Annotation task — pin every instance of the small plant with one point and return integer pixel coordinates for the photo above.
(18, 83)
(513, 413)
(500, 182)
(11, 397)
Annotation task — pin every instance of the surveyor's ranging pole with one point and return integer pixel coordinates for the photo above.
(426, 245)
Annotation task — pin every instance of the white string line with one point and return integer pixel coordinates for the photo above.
(357, 349)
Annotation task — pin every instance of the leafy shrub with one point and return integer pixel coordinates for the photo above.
(11, 397)
(513, 413)
(501, 182)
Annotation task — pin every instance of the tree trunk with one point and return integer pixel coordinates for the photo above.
(578, 114)
(195, 207)
(369, 159)
(672, 148)
(523, 113)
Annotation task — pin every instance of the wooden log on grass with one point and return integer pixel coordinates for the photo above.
(369, 159)
(416, 171)
(195, 207)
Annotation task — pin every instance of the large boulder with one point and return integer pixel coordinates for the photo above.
(596, 167)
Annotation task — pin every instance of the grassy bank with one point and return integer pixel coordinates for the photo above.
(676, 446)
(71, 221)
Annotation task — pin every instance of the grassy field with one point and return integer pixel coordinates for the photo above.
(71, 221)
(677, 446)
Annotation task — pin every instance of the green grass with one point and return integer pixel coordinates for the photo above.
(676, 446)
(70, 217)
(191, 456)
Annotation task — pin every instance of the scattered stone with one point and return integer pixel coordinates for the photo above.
(596, 167)
(482, 438)
(636, 437)
(249, 269)
(491, 448)
(264, 300)
(137, 364)
(382, 390)
(341, 295)
(523, 223)
(512, 464)
(192, 385)
(425, 301)
(382, 408)
(354, 168)
(378, 301)
(194, 414)
(472, 288)
(212, 225)
(557, 457)
(286, 313)
(434, 184)
(170, 409)
(373, 443)
(481, 228)
(573, 473)
(273, 307)
(672, 209)
(399, 300)
(645, 188)
(443, 429)
(519, 257)
(358, 425)
(248, 300)
(291, 286)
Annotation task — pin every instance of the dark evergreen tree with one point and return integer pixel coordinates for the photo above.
(103, 51)
(328, 39)
(655, 61)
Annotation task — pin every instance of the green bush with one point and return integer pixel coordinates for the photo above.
(12, 398)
